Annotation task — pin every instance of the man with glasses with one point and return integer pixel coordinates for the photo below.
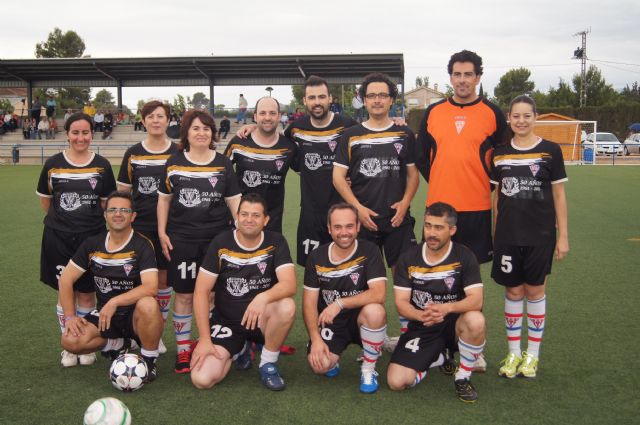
(123, 265)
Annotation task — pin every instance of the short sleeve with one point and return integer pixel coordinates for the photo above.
(109, 185)
(401, 278)
(228, 152)
(558, 172)
(146, 256)
(232, 188)
(43, 182)
(165, 184)
(411, 147)
(210, 261)
(342, 152)
(282, 255)
(310, 274)
(470, 269)
(375, 266)
(493, 171)
(81, 256)
(124, 176)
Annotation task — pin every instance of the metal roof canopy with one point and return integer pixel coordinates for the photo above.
(196, 71)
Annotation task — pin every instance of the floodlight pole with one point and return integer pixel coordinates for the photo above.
(583, 67)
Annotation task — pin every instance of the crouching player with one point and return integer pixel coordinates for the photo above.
(438, 288)
(125, 276)
(343, 299)
(254, 279)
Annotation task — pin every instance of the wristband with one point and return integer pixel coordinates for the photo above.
(339, 302)
(68, 318)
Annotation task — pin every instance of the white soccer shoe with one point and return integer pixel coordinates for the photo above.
(68, 359)
(161, 347)
(480, 366)
(87, 359)
(390, 343)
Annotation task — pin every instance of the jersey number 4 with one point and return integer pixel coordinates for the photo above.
(413, 345)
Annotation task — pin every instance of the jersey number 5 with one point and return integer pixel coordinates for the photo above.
(505, 264)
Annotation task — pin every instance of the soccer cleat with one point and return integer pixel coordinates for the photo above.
(480, 365)
(68, 359)
(449, 365)
(333, 372)
(243, 360)
(133, 344)
(360, 356)
(270, 377)
(509, 366)
(529, 366)
(183, 362)
(390, 343)
(368, 382)
(152, 368)
(465, 391)
(161, 347)
(87, 359)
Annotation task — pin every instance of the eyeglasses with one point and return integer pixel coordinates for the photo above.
(119, 210)
(382, 96)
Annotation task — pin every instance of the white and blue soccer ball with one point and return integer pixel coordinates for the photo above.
(128, 372)
(107, 411)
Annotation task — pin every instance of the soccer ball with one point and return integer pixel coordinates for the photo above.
(107, 411)
(128, 372)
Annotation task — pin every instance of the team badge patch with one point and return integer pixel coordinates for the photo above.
(213, 181)
(93, 182)
(127, 268)
(398, 147)
(511, 321)
(459, 126)
(329, 296)
(178, 326)
(237, 286)
(370, 167)
(147, 185)
(510, 186)
(279, 164)
(354, 277)
(312, 161)
(537, 323)
(421, 298)
(449, 281)
(189, 197)
(252, 178)
(70, 201)
(262, 266)
(332, 145)
(534, 169)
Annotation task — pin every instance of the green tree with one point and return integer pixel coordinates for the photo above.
(179, 104)
(514, 83)
(104, 100)
(541, 98)
(140, 104)
(5, 106)
(562, 96)
(199, 101)
(448, 90)
(334, 89)
(61, 45)
(599, 92)
(632, 93)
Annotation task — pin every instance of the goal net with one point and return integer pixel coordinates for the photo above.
(570, 135)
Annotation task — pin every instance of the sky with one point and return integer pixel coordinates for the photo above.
(507, 34)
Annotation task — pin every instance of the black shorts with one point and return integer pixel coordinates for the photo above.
(312, 232)
(339, 335)
(231, 335)
(515, 265)
(161, 260)
(275, 220)
(57, 249)
(121, 325)
(420, 346)
(394, 240)
(186, 258)
(474, 231)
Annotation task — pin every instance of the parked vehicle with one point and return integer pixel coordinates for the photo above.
(605, 143)
(632, 144)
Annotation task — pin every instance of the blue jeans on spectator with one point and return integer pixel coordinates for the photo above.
(241, 116)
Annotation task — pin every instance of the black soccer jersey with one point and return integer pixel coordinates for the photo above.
(316, 152)
(198, 209)
(263, 170)
(243, 273)
(377, 161)
(115, 272)
(142, 170)
(526, 212)
(444, 282)
(346, 278)
(75, 191)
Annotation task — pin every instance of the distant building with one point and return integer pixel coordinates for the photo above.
(421, 97)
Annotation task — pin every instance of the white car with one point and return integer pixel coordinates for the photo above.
(632, 144)
(606, 143)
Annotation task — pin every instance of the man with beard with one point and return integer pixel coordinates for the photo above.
(438, 288)
(343, 299)
(262, 160)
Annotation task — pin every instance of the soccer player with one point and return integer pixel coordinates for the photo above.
(141, 173)
(73, 187)
(125, 278)
(253, 278)
(263, 159)
(529, 206)
(343, 299)
(198, 195)
(455, 140)
(438, 288)
(378, 157)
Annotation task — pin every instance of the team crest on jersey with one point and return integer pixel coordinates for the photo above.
(93, 182)
(510, 186)
(237, 286)
(189, 197)
(279, 164)
(354, 277)
(449, 281)
(460, 121)
(312, 161)
(534, 169)
(421, 298)
(329, 296)
(370, 167)
(252, 178)
(262, 266)
(147, 185)
(70, 201)
(398, 147)
(213, 181)
(332, 145)
(103, 284)
(127, 268)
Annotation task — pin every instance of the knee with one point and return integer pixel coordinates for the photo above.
(183, 300)
(70, 343)
(201, 381)
(395, 381)
(287, 309)
(373, 315)
(147, 307)
(473, 322)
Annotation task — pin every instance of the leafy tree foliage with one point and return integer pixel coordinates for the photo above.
(514, 83)
(61, 45)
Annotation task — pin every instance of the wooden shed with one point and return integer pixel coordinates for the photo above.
(563, 130)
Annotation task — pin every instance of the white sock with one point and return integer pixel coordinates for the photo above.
(113, 344)
(536, 314)
(60, 314)
(149, 353)
(182, 328)
(513, 323)
(468, 355)
(372, 340)
(267, 356)
(164, 299)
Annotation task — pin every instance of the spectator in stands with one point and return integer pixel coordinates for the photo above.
(108, 125)
(53, 127)
(66, 116)
(43, 128)
(98, 121)
(51, 106)
(36, 110)
(22, 111)
(138, 124)
(284, 120)
(26, 124)
(225, 126)
(242, 109)
(335, 107)
(120, 118)
(6, 122)
(89, 109)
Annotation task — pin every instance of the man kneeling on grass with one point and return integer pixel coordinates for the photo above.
(256, 281)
